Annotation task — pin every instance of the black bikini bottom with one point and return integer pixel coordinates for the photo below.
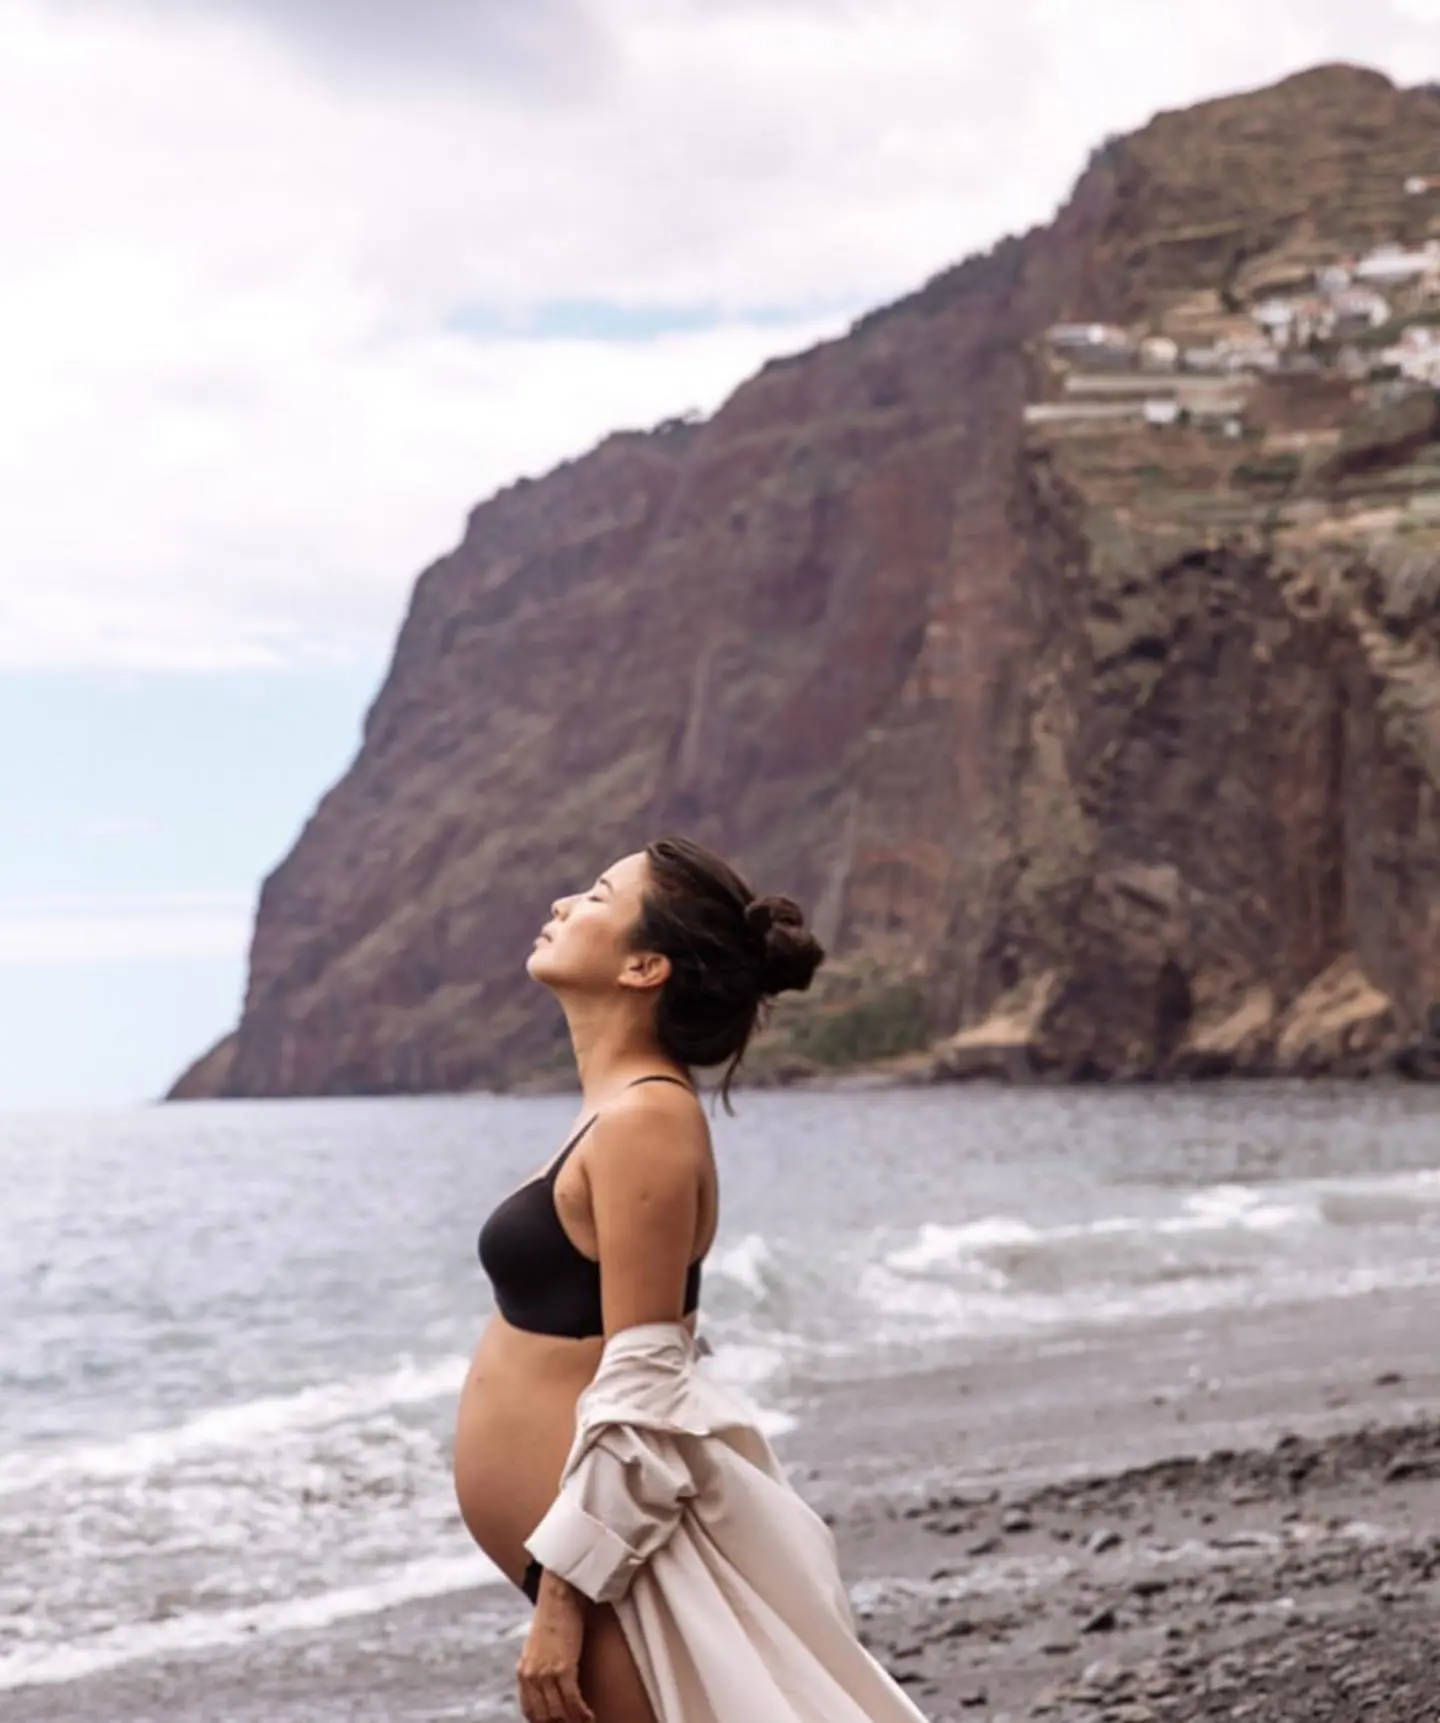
(530, 1585)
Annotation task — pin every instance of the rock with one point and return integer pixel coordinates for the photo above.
(1419, 1057)
(986, 1546)
(1102, 1621)
(1006, 1044)
(1016, 1520)
(1236, 1036)
(1387, 436)
(1340, 1018)
(1046, 730)
(1104, 1540)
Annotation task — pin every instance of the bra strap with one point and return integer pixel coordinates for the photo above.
(564, 1154)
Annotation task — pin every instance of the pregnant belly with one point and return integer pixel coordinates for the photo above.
(514, 1427)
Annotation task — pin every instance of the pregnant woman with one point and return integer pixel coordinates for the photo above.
(675, 1554)
(660, 966)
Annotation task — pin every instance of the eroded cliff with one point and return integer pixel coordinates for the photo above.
(1100, 746)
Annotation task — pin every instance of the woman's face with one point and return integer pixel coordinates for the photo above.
(585, 945)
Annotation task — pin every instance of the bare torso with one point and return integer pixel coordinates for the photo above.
(516, 1417)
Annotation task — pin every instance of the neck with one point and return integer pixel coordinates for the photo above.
(610, 1047)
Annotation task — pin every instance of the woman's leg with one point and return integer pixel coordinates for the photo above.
(608, 1676)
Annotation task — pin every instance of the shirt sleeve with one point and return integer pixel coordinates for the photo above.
(619, 1503)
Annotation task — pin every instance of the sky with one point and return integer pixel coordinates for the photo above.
(290, 285)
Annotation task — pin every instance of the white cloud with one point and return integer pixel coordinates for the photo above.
(292, 527)
(234, 422)
(544, 46)
(91, 930)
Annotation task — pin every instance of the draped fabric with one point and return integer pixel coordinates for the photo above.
(674, 1509)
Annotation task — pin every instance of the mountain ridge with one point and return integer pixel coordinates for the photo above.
(872, 627)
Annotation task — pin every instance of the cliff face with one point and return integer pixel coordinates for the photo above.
(1222, 849)
(1115, 749)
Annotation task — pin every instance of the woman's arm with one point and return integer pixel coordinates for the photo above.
(644, 1164)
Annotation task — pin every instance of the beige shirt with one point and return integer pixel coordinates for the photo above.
(674, 1509)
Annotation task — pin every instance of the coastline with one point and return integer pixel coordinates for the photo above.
(1293, 1582)
(1143, 1525)
(925, 1070)
(1189, 1520)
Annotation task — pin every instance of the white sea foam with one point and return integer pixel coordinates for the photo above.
(993, 1244)
(940, 1246)
(747, 1261)
(1238, 1206)
(1213, 1247)
(240, 1426)
(749, 1308)
(743, 1365)
(746, 1368)
(41, 1665)
(218, 1505)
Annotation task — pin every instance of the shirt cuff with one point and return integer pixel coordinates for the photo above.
(583, 1552)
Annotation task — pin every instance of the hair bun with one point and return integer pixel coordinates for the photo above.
(789, 953)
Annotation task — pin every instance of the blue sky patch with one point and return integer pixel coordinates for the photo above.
(604, 320)
(145, 801)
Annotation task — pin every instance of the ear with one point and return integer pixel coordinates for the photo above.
(645, 970)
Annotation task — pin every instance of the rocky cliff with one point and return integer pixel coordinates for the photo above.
(1099, 746)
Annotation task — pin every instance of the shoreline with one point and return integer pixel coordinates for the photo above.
(921, 1070)
(1294, 1582)
(927, 1070)
(1143, 1525)
(1194, 1520)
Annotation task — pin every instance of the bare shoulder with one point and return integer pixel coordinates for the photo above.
(654, 1133)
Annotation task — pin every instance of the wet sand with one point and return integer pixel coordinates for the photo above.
(1233, 1518)
(1239, 1519)
(1300, 1581)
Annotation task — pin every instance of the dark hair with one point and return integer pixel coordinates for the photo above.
(730, 953)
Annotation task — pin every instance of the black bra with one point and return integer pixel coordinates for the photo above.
(542, 1282)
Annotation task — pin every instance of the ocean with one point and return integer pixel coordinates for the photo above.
(232, 1335)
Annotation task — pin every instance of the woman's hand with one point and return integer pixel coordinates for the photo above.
(548, 1678)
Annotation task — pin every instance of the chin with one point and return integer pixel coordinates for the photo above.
(538, 965)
